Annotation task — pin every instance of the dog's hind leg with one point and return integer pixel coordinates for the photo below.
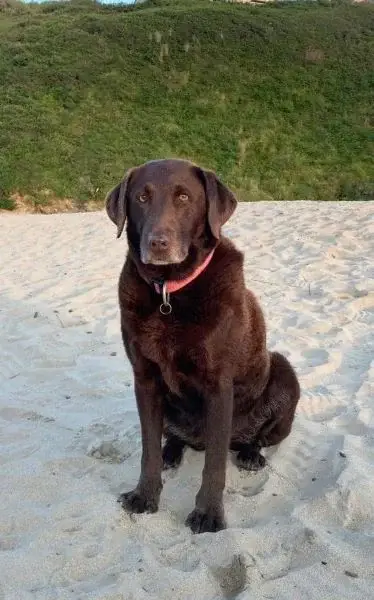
(249, 457)
(276, 409)
(282, 393)
(172, 452)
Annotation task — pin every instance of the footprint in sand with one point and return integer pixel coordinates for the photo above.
(315, 357)
(308, 458)
(320, 404)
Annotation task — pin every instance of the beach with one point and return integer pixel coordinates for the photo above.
(302, 528)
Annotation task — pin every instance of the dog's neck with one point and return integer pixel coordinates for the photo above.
(173, 277)
(174, 285)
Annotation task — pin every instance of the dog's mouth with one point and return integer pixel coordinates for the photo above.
(159, 259)
(162, 249)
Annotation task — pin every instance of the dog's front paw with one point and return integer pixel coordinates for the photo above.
(138, 502)
(203, 521)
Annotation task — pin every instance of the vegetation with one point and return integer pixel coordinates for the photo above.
(278, 99)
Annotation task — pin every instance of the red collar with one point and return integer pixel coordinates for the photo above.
(175, 285)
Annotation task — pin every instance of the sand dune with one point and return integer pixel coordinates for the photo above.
(303, 528)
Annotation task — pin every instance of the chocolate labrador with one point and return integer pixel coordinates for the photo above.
(195, 336)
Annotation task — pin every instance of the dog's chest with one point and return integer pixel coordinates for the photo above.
(175, 350)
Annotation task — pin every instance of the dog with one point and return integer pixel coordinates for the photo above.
(195, 336)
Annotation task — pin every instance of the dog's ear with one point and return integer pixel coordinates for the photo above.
(220, 200)
(115, 203)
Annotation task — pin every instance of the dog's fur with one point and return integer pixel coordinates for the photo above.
(203, 375)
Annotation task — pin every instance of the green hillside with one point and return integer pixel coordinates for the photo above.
(278, 99)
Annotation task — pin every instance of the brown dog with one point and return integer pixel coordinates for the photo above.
(195, 336)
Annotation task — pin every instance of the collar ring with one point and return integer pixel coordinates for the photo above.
(165, 307)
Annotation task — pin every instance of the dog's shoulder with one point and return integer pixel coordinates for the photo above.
(228, 262)
(134, 293)
(225, 278)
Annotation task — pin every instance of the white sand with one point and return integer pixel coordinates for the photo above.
(70, 437)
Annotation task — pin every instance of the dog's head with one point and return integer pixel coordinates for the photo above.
(171, 206)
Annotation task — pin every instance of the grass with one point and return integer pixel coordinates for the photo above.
(279, 100)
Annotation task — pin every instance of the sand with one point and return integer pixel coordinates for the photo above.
(303, 528)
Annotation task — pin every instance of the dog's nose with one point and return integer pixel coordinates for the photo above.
(158, 241)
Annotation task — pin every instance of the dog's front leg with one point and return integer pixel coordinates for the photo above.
(145, 497)
(208, 514)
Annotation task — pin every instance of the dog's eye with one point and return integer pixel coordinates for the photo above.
(143, 198)
(183, 197)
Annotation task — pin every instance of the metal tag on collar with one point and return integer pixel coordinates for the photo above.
(165, 307)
